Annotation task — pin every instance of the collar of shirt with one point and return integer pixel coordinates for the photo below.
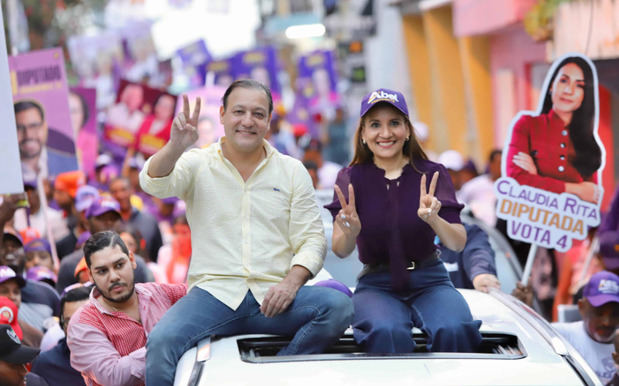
(144, 295)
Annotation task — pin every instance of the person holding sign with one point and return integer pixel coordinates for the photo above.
(557, 150)
(383, 205)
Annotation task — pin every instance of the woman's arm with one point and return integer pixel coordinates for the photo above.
(453, 236)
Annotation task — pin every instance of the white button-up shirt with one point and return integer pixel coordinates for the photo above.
(244, 234)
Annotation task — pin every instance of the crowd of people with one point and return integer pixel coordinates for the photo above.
(109, 279)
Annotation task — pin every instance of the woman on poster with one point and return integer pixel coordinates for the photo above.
(557, 149)
(384, 206)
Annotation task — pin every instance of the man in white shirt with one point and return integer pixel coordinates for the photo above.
(257, 237)
(593, 336)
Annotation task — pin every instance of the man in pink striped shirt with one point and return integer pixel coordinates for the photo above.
(107, 336)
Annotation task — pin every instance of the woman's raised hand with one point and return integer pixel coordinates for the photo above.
(525, 161)
(347, 219)
(428, 204)
(184, 132)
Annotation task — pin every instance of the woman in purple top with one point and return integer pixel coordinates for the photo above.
(384, 206)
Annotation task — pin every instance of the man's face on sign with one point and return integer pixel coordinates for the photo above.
(31, 133)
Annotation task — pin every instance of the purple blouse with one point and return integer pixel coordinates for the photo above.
(391, 231)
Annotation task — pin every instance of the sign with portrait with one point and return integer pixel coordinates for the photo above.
(260, 64)
(551, 189)
(83, 109)
(44, 129)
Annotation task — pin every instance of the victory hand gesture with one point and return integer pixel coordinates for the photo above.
(184, 131)
(428, 204)
(347, 219)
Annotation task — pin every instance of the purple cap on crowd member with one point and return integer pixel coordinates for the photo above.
(40, 273)
(394, 98)
(38, 245)
(10, 235)
(30, 184)
(7, 273)
(336, 285)
(82, 239)
(103, 160)
(602, 288)
(85, 196)
(102, 205)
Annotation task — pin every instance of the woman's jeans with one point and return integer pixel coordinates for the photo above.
(384, 319)
(317, 317)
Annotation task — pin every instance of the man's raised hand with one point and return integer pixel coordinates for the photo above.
(184, 131)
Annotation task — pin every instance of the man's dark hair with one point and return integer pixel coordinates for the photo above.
(102, 240)
(74, 295)
(248, 83)
(27, 105)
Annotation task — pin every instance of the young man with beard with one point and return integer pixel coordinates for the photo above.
(107, 336)
(593, 336)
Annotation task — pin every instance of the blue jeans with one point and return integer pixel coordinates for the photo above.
(317, 317)
(384, 318)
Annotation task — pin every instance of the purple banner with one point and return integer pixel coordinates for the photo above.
(44, 130)
(83, 110)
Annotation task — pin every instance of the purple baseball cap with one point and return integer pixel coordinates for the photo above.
(40, 273)
(394, 98)
(7, 273)
(602, 288)
(85, 196)
(38, 245)
(101, 206)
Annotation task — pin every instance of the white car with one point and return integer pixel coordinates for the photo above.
(518, 347)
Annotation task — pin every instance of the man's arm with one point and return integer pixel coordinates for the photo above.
(478, 259)
(279, 297)
(307, 238)
(93, 355)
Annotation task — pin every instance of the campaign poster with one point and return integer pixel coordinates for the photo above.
(83, 110)
(260, 64)
(194, 58)
(10, 173)
(221, 71)
(319, 66)
(550, 190)
(43, 121)
(140, 119)
(209, 127)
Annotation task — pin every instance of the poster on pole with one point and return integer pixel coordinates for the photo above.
(43, 121)
(10, 173)
(550, 190)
